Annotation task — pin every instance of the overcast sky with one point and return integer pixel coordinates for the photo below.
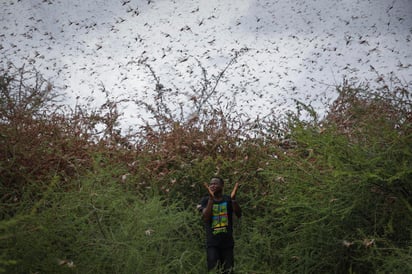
(296, 49)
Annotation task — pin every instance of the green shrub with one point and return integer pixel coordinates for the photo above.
(318, 196)
(100, 228)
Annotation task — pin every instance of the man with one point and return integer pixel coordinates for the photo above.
(217, 211)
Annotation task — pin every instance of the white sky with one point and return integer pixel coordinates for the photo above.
(298, 49)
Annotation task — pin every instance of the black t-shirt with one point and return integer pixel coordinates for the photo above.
(219, 230)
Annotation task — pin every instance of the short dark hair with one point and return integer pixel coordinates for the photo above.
(218, 178)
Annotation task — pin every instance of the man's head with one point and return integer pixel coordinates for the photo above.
(216, 184)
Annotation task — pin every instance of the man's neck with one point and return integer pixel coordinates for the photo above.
(218, 196)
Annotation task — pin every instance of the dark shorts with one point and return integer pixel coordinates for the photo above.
(220, 258)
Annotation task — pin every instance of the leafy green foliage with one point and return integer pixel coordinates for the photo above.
(329, 195)
(101, 228)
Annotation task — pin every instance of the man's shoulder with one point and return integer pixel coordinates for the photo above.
(202, 204)
(204, 199)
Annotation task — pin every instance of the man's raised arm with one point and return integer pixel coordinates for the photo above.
(236, 207)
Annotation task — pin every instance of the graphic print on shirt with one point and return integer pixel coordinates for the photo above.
(220, 220)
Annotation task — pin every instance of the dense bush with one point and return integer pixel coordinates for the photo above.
(100, 228)
(330, 195)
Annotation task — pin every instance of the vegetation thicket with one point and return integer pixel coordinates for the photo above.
(319, 195)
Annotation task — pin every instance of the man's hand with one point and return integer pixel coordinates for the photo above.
(233, 194)
(211, 194)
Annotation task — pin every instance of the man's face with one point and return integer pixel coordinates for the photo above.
(215, 185)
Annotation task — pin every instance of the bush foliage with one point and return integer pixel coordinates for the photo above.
(330, 195)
